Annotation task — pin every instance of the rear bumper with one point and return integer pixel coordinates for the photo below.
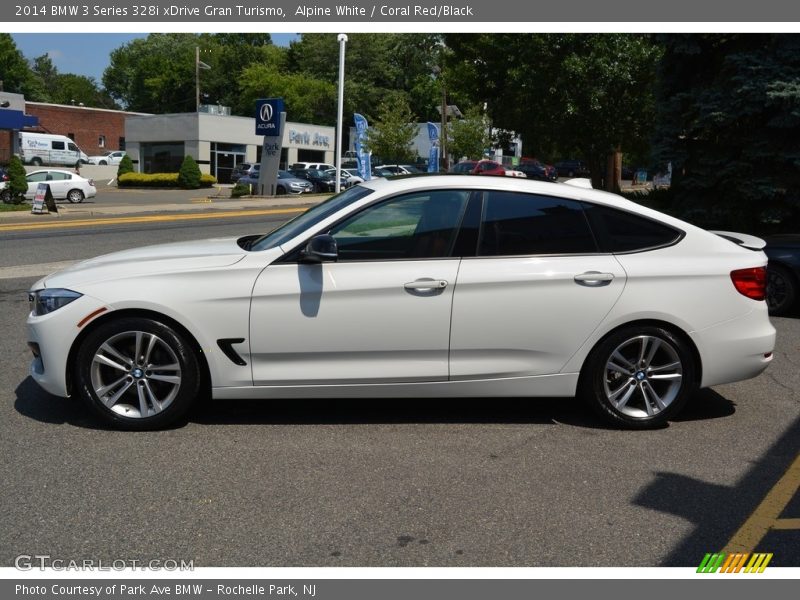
(736, 350)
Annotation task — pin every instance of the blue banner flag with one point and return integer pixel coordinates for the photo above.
(362, 154)
(433, 154)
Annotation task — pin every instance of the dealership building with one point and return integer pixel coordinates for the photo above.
(218, 142)
(159, 143)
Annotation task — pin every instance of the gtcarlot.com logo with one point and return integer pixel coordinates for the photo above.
(743, 562)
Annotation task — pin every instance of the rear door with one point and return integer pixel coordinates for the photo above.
(534, 293)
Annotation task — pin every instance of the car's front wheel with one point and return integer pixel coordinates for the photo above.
(137, 373)
(75, 196)
(639, 377)
(5, 196)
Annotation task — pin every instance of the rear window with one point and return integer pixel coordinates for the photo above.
(620, 231)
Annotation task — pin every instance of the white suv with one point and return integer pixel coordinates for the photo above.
(306, 166)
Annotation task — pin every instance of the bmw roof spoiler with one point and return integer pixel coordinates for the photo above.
(742, 239)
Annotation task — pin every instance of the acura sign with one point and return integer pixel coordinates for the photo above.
(268, 116)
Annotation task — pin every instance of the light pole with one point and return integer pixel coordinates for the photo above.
(342, 39)
(439, 73)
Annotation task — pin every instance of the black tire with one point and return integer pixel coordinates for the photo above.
(5, 196)
(36, 161)
(280, 191)
(102, 162)
(75, 196)
(623, 391)
(133, 387)
(781, 290)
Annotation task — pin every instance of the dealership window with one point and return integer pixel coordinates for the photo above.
(101, 141)
(121, 143)
(162, 157)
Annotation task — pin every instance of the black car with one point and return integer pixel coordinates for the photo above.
(534, 170)
(322, 181)
(783, 273)
(572, 168)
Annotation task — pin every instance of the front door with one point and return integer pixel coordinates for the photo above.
(381, 314)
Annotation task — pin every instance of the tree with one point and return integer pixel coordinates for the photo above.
(189, 175)
(729, 121)
(125, 166)
(17, 184)
(393, 131)
(469, 137)
(566, 94)
(16, 73)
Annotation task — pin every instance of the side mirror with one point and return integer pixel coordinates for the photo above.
(319, 249)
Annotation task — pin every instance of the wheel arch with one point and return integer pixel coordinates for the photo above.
(202, 361)
(671, 327)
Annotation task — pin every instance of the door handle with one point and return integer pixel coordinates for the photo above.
(594, 279)
(426, 284)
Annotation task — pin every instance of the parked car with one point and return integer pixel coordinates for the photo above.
(245, 169)
(572, 168)
(64, 185)
(783, 273)
(286, 183)
(534, 170)
(376, 293)
(316, 166)
(349, 176)
(377, 172)
(478, 167)
(109, 158)
(400, 169)
(323, 182)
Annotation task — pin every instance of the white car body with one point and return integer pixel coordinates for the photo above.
(109, 158)
(516, 325)
(64, 184)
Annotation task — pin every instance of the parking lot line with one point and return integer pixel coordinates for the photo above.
(766, 516)
(148, 219)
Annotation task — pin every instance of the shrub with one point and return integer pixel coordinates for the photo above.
(159, 180)
(125, 166)
(17, 184)
(239, 190)
(189, 175)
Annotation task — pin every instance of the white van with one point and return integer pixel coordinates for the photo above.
(49, 149)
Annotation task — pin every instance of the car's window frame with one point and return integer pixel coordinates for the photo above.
(602, 241)
(293, 255)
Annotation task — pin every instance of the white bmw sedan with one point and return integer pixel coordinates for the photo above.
(438, 286)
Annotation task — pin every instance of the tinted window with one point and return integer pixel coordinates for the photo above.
(620, 231)
(58, 145)
(418, 225)
(519, 224)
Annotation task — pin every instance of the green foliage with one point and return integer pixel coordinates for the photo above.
(468, 137)
(189, 175)
(66, 88)
(568, 95)
(729, 121)
(17, 184)
(16, 74)
(239, 190)
(125, 166)
(164, 180)
(393, 131)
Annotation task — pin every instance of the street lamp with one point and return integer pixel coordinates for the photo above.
(342, 39)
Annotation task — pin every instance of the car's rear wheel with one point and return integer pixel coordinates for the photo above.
(75, 196)
(102, 162)
(137, 373)
(781, 290)
(5, 196)
(36, 161)
(639, 377)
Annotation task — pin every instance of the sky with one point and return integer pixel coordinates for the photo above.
(87, 54)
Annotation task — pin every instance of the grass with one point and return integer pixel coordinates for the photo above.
(14, 207)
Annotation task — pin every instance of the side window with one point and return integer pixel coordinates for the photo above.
(72, 147)
(36, 177)
(59, 176)
(620, 231)
(413, 226)
(58, 145)
(521, 224)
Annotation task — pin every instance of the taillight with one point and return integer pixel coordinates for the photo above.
(751, 282)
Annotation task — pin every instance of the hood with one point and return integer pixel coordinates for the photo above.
(163, 258)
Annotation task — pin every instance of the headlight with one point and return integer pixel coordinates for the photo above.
(46, 301)
(297, 184)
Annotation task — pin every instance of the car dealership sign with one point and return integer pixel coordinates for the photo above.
(268, 116)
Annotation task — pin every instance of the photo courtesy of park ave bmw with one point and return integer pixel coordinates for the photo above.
(433, 286)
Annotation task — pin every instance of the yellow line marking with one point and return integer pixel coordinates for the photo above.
(765, 516)
(149, 219)
(786, 524)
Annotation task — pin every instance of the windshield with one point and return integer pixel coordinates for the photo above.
(311, 217)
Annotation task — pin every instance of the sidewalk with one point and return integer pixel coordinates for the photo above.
(69, 211)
